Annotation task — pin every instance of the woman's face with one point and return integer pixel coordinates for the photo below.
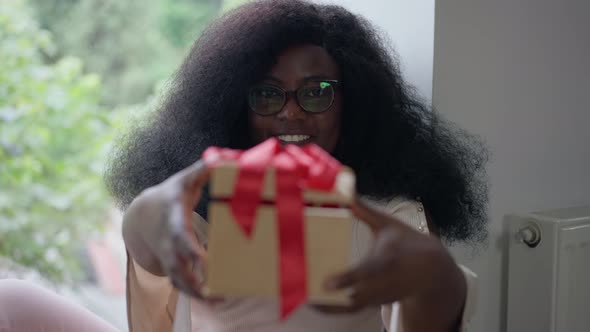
(306, 66)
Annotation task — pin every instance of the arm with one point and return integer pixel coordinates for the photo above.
(141, 226)
(444, 307)
(440, 309)
(158, 228)
(408, 267)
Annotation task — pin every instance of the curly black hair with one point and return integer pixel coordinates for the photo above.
(397, 145)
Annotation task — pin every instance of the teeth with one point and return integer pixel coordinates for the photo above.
(293, 138)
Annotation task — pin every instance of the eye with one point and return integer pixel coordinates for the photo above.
(268, 92)
(317, 89)
(314, 91)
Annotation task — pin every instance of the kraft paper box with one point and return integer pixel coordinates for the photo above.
(242, 266)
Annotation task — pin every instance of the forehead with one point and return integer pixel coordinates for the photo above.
(300, 62)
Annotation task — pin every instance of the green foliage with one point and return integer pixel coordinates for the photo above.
(53, 139)
(231, 4)
(116, 39)
(57, 121)
(181, 21)
(132, 44)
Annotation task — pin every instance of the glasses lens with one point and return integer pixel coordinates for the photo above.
(316, 96)
(266, 99)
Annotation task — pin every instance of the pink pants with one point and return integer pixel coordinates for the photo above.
(25, 307)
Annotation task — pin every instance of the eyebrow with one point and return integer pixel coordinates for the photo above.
(307, 78)
(272, 78)
(318, 77)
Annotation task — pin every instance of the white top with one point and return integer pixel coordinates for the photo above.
(148, 310)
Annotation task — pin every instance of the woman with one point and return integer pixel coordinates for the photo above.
(304, 73)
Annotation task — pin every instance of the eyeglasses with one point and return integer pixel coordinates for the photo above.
(314, 97)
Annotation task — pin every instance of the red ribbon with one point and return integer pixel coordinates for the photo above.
(295, 168)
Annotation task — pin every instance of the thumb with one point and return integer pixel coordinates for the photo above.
(196, 175)
(192, 180)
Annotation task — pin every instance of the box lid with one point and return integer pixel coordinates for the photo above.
(224, 176)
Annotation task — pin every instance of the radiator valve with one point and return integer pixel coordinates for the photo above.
(529, 234)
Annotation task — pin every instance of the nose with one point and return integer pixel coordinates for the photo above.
(291, 111)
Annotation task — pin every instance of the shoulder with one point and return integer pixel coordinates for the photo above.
(409, 211)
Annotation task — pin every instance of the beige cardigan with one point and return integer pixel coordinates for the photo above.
(153, 304)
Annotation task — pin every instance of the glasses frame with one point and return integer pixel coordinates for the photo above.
(293, 94)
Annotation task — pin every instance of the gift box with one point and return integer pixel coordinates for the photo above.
(280, 224)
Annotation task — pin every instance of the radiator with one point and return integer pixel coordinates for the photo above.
(549, 271)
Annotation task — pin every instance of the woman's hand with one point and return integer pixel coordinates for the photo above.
(158, 228)
(407, 266)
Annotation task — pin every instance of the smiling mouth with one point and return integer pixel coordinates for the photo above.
(294, 139)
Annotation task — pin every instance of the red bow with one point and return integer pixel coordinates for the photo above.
(295, 168)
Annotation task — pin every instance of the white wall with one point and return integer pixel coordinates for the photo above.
(409, 25)
(517, 72)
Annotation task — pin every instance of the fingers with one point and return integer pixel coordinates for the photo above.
(367, 269)
(182, 252)
(331, 309)
(374, 281)
(187, 184)
(182, 277)
(181, 271)
(196, 175)
(382, 289)
(179, 266)
(354, 281)
(181, 255)
(371, 290)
